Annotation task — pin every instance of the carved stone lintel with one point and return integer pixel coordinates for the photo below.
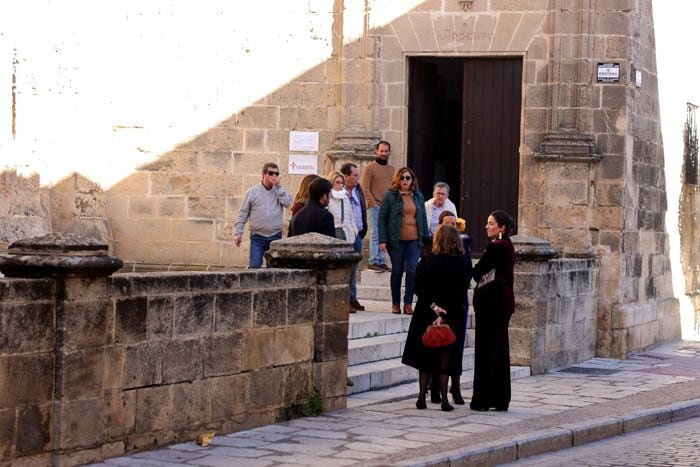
(466, 4)
(568, 147)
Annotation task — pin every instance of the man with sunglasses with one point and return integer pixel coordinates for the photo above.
(263, 205)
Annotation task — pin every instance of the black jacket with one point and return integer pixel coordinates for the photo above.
(313, 218)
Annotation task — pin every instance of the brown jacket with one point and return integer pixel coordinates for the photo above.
(375, 181)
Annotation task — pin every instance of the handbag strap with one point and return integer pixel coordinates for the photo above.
(342, 211)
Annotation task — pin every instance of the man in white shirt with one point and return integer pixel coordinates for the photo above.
(437, 204)
(263, 206)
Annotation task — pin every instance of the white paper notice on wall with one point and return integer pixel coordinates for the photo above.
(302, 164)
(638, 78)
(303, 141)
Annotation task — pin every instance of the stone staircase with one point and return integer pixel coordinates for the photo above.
(376, 340)
(377, 337)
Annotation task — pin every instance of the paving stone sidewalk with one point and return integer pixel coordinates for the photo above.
(592, 400)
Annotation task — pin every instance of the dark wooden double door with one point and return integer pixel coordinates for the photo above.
(464, 129)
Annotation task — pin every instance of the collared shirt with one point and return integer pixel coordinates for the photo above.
(356, 208)
(435, 218)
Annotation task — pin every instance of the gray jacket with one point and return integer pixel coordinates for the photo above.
(264, 209)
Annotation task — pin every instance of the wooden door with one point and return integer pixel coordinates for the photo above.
(421, 121)
(490, 141)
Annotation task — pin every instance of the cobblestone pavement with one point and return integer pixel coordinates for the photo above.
(397, 433)
(677, 444)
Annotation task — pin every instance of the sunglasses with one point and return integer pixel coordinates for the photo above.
(405, 177)
(271, 172)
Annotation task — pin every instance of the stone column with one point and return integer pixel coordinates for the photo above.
(532, 286)
(358, 80)
(84, 326)
(332, 260)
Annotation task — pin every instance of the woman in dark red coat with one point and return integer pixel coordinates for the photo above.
(494, 304)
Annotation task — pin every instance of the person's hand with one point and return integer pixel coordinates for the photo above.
(438, 321)
(237, 239)
(382, 247)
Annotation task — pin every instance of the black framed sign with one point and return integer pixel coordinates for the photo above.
(608, 73)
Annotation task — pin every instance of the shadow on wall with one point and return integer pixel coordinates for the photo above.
(180, 209)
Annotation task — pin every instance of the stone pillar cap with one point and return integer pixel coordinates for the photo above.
(532, 248)
(311, 250)
(58, 255)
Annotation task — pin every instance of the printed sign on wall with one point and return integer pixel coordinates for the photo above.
(303, 141)
(302, 164)
(608, 72)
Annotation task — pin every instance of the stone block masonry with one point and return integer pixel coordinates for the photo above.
(105, 365)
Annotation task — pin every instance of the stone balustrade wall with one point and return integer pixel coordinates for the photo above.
(95, 367)
(555, 319)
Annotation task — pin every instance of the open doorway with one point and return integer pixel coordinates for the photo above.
(464, 129)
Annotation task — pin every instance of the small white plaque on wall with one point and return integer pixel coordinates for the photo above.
(303, 141)
(302, 164)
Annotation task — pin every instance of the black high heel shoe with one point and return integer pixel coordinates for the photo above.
(421, 405)
(446, 407)
(457, 397)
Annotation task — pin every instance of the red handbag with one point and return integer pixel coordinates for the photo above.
(438, 335)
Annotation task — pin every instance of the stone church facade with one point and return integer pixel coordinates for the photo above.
(587, 168)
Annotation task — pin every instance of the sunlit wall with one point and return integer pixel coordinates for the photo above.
(675, 24)
(102, 87)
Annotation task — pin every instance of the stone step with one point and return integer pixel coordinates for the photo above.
(375, 286)
(371, 323)
(376, 293)
(375, 348)
(405, 391)
(368, 277)
(372, 349)
(382, 374)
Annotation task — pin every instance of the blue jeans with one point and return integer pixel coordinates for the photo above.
(375, 254)
(357, 246)
(258, 246)
(404, 258)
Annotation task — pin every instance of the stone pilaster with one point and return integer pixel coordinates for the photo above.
(527, 326)
(554, 324)
(83, 329)
(332, 260)
(569, 125)
(358, 76)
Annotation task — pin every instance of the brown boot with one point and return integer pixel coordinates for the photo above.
(396, 309)
(407, 310)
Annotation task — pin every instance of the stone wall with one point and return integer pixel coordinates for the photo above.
(689, 225)
(27, 368)
(555, 319)
(24, 208)
(639, 308)
(556, 303)
(158, 358)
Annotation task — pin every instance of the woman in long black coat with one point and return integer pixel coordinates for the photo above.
(442, 281)
(494, 304)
